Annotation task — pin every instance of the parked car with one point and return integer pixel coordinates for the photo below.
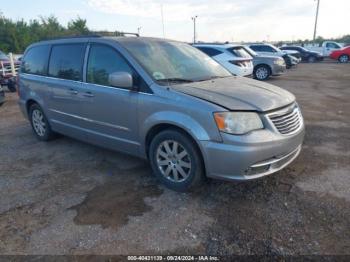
(233, 57)
(161, 100)
(271, 50)
(6, 76)
(342, 55)
(326, 48)
(293, 53)
(306, 55)
(2, 96)
(266, 66)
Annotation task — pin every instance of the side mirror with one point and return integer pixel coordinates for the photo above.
(121, 79)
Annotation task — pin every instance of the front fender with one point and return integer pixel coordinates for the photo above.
(177, 119)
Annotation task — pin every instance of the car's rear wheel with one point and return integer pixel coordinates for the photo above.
(311, 59)
(343, 59)
(262, 72)
(176, 160)
(40, 124)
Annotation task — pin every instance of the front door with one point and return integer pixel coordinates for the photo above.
(110, 113)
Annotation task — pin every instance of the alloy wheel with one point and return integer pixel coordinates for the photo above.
(38, 122)
(312, 59)
(173, 161)
(344, 59)
(261, 73)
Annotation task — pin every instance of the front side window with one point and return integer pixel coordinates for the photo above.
(103, 61)
(267, 48)
(66, 61)
(35, 61)
(332, 45)
(256, 48)
(174, 61)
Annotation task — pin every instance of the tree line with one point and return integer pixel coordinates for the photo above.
(16, 36)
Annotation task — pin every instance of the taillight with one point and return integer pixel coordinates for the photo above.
(237, 63)
(241, 63)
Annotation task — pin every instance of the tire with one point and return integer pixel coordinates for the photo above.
(179, 169)
(262, 72)
(40, 125)
(311, 59)
(343, 59)
(11, 86)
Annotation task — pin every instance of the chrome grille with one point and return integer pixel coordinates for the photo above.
(288, 120)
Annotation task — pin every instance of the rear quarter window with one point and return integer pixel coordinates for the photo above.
(35, 61)
(239, 52)
(209, 51)
(66, 61)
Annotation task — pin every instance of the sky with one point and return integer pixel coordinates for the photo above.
(218, 20)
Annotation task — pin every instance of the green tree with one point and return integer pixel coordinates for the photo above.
(78, 27)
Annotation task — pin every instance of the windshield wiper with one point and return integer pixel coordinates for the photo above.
(176, 80)
(210, 78)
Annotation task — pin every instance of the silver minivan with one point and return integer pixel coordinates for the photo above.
(161, 100)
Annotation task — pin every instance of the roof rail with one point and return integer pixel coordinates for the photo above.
(73, 36)
(214, 43)
(94, 34)
(126, 33)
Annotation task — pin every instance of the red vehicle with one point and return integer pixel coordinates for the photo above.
(342, 55)
(6, 75)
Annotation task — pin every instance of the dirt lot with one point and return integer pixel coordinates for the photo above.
(67, 197)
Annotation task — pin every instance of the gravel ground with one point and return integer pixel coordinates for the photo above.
(67, 197)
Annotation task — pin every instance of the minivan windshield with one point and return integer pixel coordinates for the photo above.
(169, 62)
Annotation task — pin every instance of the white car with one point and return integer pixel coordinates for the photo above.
(326, 48)
(233, 57)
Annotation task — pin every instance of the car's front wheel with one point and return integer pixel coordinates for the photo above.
(176, 160)
(40, 124)
(343, 59)
(311, 59)
(262, 72)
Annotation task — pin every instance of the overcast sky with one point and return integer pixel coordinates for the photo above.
(218, 20)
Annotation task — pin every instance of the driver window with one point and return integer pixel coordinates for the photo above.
(103, 61)
(331, 45)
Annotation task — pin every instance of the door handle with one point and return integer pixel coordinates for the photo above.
(73, 92)
(88, 94)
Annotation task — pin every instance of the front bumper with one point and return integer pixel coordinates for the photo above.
(278, 69)
(251, 156)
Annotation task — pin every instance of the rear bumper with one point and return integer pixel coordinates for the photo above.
(255, 155)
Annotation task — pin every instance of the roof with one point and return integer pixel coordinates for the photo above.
(87, 38)
(216, 45)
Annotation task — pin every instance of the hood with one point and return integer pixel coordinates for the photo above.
(238, 93)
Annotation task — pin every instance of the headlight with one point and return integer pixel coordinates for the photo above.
(238, 123)
(279, 62)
